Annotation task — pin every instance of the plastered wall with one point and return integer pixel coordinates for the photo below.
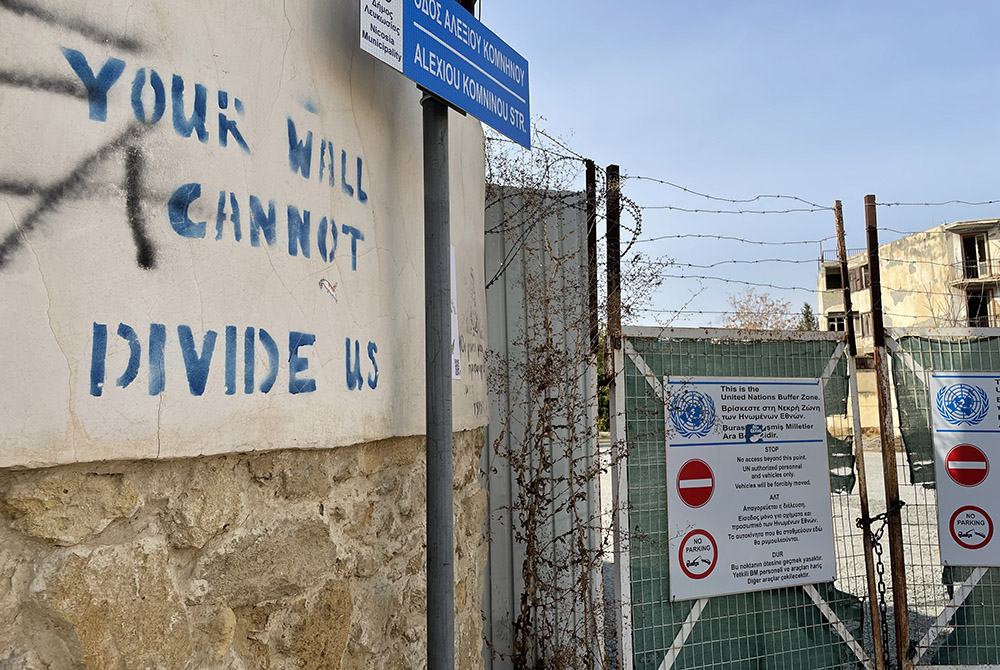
(212, 233)
(211, 303)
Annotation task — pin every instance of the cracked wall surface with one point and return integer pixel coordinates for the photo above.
(286, 559)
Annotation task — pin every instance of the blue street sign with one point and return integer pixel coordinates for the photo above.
(445, 49)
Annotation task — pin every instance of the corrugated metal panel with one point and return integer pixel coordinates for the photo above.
(522, 248)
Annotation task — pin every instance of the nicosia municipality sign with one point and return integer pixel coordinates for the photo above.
(446, 50)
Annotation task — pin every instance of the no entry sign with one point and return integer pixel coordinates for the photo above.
(967, 465)
(695, 483)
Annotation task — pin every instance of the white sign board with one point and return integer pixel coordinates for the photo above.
(748, 485)
(965, 422)
(382, 31)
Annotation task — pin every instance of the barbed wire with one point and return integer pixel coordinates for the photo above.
(732, 238)
(922, 262)
(559, 149)
(562, 145)
(756, 198)
(938, 204)
(903, 232)
(728, 280)
(756, 261)
(687, 210)
(629, 205)
(900, 289)
(915, 317)
(571, 154)
(712, 312)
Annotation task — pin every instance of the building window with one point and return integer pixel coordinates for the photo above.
(835, 321)
(863, 324)
(860, 278)
(974, 259)
(979, 308)
(833, 280)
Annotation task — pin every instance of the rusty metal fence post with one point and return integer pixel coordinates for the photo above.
(864, 522)
(901, 615)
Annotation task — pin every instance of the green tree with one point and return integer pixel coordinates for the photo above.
(807, 319)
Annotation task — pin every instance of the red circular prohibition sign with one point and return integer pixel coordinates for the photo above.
(715, 555)
(695, 483)
(967, 465)
(972, 538)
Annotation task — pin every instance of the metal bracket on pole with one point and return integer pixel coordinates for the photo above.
(425, 95)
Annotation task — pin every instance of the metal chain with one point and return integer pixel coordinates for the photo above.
(883, 606)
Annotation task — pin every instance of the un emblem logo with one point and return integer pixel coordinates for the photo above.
(963, 403)
(692, 413)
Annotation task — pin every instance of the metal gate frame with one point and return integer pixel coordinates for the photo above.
(620, 480)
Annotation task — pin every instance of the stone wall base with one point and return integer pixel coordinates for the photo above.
(258, 561)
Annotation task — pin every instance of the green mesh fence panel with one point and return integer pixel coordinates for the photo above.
(841, 454)
(972, 636)
(967, 355)
(780, 628)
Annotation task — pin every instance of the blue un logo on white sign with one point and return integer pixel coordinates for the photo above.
(692, 413)
(963, 404)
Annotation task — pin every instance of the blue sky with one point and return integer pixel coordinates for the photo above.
(822, 100)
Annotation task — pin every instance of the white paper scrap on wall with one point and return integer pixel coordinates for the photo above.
(456, 354)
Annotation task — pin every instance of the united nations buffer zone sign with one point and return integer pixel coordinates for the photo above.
(748, 501)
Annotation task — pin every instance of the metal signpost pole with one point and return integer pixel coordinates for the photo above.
(457, 62)
(437, 333)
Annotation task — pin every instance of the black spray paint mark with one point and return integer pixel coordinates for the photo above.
(50, 197)
(87, 30)
(61, 86)
(145, 253)
(19, 187)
